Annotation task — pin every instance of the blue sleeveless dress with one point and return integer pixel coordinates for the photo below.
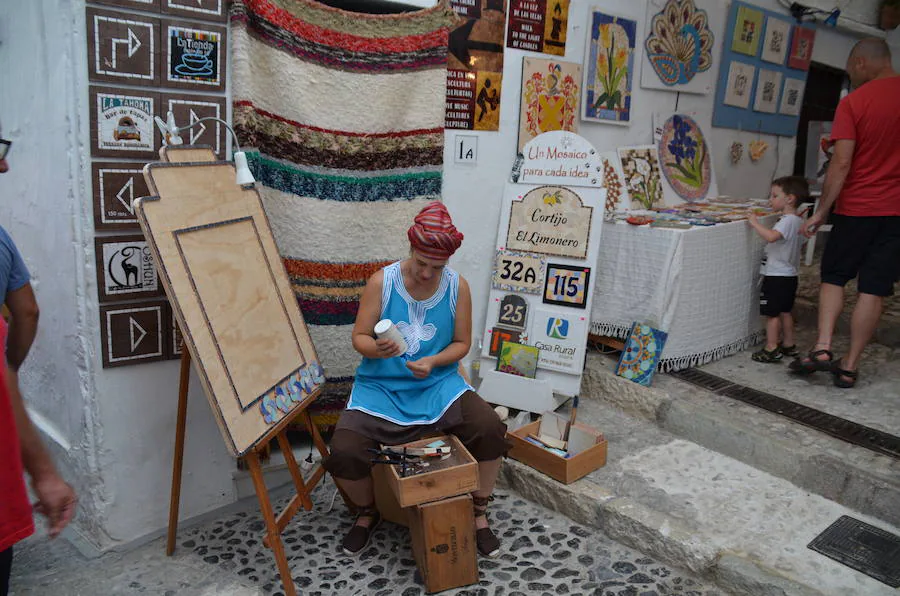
(385, 387)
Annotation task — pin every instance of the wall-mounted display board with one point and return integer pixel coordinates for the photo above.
(188, 109)
(231, 296)
(762, 74)
(538, 25)
(122, 47)
(122, 122)
(193, 56)
(475, 65)
(547, 246)
(116, 185)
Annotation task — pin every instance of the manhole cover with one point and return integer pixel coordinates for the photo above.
(863, 547)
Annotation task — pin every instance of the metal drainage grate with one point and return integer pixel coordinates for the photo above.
(846, 430)
(863, 547)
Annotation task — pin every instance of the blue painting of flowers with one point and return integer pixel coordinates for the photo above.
(682, 146)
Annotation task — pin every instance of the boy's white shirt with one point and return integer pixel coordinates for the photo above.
(783, 255)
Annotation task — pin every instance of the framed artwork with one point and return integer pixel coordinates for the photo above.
(609, 73)
(740, 82)
(499, 336)
(643, 180)
(792, 97)
(122, 123)
(679, 46)
(518, 271)
(641, 354)
(567, 285)
(747, 31)
(518, 359)
(550, 95)
(538, 27)
(513, 312)
(775, 43)
(768, 91)
(684, 158)
(614, 182)
(802, 42)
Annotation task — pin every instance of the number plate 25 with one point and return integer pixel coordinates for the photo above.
(519, 272)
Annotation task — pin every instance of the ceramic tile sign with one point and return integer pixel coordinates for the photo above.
(518, 272)
(189, 109)
(122, 123)
(550, 220)
(122, 47)
(551, 91)
(561, 338)
(500, 335)
(125, 268)
(792, 97)
(148, 5)
(740, 82)
(513, 312)
(775, 43)
(685, 158)
(614, 182)
(609, 68)
(768, 91)
(680, 44)
(194, 57)
(747, 31)
(133, 333)
(643, 179)
(116, 185)
(538, 26)
(559, 157)
(475, 65)
(208, 10)
(567, 285)
(801, 48)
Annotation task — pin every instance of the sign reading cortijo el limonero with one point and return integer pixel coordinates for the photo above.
(550, 220)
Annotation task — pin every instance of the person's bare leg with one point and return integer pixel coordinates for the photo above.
(863, 323)
(361, 493)
(787, 329)
(487, 478)
(773, 327)
(831, 303)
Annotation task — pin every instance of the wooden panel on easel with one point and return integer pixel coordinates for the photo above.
(187, 154)
(230, 293)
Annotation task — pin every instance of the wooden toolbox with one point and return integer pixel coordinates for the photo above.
(443, 543)
(565, 470)
(456, 475)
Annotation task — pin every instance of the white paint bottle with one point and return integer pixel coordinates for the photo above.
(386, 329)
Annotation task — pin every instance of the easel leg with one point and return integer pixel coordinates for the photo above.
(178, 458)
(272, 534)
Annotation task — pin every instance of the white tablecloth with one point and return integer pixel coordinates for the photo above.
(699, 285)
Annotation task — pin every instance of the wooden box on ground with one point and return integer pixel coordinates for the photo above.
(454, 476)
(565, 470)
(386, 500)
(443, 543)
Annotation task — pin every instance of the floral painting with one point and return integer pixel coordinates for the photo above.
(679, 44)
(550, 93)
(610, 68)
(642, 177)
(685, 159)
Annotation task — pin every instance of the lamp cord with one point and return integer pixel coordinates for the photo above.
(207, 118)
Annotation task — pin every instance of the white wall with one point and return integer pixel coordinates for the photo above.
(473, 192)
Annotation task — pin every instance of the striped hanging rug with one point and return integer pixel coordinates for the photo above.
(345, 112)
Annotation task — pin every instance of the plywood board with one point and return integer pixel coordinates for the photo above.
(188, 109)
(187, 153)
(226, 282)
(122, 47)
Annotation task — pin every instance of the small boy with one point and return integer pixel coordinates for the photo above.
(780, 267)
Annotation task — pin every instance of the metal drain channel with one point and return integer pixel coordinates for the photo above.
(846, 430)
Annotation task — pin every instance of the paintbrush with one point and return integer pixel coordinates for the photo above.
(572, 416)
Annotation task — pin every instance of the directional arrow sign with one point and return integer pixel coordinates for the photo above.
(133, 45)
(129, 186)
(136, 338)
(197, 130)
(133, 332)
(121, 47)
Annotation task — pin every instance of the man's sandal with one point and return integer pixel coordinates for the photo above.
(358, 537)
(767, 356)
(812, 363)
(790, 351)
(488, 544)
(839, 375)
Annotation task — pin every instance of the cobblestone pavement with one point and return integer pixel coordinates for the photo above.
(544, 553)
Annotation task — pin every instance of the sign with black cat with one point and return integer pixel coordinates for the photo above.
(125, 269)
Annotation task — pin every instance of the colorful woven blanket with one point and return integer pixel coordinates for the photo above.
(346, 111)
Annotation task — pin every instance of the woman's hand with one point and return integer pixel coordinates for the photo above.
(387, 348)
(420, 368)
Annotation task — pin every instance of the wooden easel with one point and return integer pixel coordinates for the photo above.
(275, 523)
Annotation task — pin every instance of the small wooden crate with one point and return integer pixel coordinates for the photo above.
(443, 543)
(565, 470)
(386, 500)
(457, 475)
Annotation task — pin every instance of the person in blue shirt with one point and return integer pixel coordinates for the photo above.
(397, 396)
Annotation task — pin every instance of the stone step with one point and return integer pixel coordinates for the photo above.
(688, 505)
(853, 476)
(806, 312)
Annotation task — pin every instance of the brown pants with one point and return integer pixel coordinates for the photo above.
(470, 419)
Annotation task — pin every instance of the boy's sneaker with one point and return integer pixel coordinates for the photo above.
(790, 351)
(767, 356)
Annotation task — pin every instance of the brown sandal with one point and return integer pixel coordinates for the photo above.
(487, 542)
(839, 374)
(358, 537)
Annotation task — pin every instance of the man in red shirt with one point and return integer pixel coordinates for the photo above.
(863, 185)
(21, 450)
